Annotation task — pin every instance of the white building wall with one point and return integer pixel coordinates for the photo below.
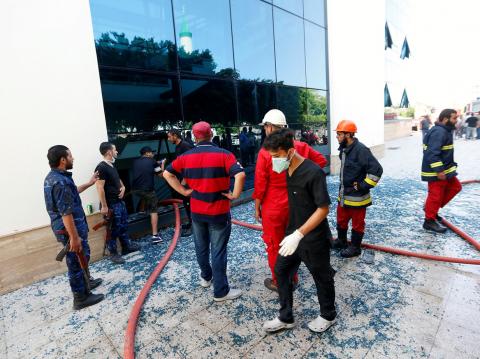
(356, 58)
(50, 94)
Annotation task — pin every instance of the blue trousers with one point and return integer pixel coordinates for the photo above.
(75, 273)
(213, 237)
(119, 227)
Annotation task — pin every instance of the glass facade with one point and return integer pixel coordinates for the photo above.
(170, 63)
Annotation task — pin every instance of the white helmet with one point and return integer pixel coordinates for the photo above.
(274, 117)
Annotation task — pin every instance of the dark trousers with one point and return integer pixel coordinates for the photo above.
(213, 237)
(75, 272)
(119, 227)
(317, 260)
(439, 194)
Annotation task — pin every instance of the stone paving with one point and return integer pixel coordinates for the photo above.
(398, 307)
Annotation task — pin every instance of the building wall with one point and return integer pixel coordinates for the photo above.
(50, 94)
(356, 60)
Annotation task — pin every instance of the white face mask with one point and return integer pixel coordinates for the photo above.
(280, 164)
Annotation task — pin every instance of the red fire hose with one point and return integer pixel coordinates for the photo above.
(129, 344)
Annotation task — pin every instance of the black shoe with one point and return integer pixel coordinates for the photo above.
(351, 251)
(339, 243)
(186, 232)
(439, 219)
(94, 283)
(155, 238)
(431, 225)
(81, 300)
(117, 259)
(132, 247)
(270, 284)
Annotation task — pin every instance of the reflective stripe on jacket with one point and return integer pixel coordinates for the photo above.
(360, 166)
(438, 153)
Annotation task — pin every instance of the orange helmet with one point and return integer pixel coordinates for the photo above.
(346, 126)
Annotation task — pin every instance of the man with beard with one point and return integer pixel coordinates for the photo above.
(359, 173)
(68, 222)
(111, 190)
(439, 169)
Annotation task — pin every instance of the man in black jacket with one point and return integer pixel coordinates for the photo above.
(359, 172)
(439, 168)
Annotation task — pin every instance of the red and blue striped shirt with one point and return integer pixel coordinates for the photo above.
(207, 170)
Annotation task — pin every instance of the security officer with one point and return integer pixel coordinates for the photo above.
(359, 173)
(439, 168)
(67, 217)
(111, 190)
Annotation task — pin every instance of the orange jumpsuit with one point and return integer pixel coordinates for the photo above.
(271, 190)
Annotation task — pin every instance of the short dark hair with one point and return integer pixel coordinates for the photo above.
(55, 154)
(175, 132)
(281, 139)
(447, 113)
(105, 147)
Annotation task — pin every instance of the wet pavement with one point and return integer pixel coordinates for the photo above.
(397, 307)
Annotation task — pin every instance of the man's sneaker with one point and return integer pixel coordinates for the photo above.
(270, 284)
(205, 283)
(81, 300)
(276, 324)
(186, 232)
(233, 294)
(117, 259)
(155, 238)
(132, 247)
(320, 324)
(339, 243)
(351, 251)
(432, 225)
(94, 283)
(439, 219)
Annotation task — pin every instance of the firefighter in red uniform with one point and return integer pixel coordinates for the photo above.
(270, 193)
(359, 172)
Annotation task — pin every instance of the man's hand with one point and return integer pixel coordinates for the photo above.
(187, 192)
(75, 245)
(355, 185)
(441, 176)
(104, 210)
(230, 195)
(258, 215)
(290, 243)
(93, 179)
(122, 192)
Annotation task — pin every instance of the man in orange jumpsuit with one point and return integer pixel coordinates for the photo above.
(270, 192)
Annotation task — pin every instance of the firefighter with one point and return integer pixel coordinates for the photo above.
(359, 172)
(270, 192)
(439, 169)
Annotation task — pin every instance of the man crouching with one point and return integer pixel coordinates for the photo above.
(308, 233)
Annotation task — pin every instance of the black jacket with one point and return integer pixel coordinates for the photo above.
(438, 153)
(357, 165)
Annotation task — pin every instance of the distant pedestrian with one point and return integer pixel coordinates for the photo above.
(439, 169)
(207, 170)
(111, 191)
(145, 168)
(425, 124)
(244, 147)
(471, 126)
(69, 223)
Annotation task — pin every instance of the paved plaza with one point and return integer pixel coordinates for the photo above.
(397, 307)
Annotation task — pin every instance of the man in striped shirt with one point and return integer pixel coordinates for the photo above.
(206, 170)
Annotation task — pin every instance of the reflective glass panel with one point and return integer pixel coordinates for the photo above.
(289, 47)
(254, 100)
(315, 56)
(204, 36)
(253, 40)
(139, 102)
(315, 11)
(289, 101)
(294, 6)
(134, 33)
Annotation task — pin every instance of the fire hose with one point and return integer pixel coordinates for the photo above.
(129, 344)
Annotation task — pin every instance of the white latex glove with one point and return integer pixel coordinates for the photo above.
(290, 243)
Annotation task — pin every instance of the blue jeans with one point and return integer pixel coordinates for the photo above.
(214, 237)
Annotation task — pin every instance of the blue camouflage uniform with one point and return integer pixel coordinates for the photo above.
(119, 227)
(62, 198)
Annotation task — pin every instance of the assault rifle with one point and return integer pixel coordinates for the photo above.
(107, 222)
(82, 259)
